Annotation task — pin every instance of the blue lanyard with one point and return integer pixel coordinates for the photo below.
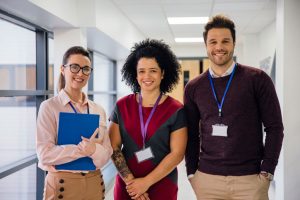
(220, 105)
(88, 110)
(144, 127)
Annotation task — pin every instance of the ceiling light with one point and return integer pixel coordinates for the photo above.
(188, 20)
(189, 40)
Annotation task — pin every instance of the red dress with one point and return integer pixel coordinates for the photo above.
(168, 117)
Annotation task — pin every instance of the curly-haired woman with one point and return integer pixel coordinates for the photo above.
(148, 128)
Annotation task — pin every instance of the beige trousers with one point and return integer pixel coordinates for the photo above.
(214, 187)
(74, 186)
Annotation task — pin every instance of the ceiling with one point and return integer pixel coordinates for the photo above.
(150, 16)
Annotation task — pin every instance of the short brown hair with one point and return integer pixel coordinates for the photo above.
(219, 21)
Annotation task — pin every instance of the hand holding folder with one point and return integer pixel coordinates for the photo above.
(88, 146)
(73, 126)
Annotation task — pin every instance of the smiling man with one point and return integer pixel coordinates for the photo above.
(227, 107)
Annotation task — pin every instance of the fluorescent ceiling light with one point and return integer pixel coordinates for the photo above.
(189, 40)
(187, 20)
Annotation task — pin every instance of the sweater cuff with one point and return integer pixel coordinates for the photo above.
(191, 170)
(268, 166)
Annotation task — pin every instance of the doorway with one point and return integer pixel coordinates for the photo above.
(190, 69)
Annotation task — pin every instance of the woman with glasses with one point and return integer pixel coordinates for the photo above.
(148, 128)
(66, 183)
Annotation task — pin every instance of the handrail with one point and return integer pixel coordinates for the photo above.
(13, 93)
(16, 166)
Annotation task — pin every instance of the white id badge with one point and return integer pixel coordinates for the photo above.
(219, 130)
(144, 154)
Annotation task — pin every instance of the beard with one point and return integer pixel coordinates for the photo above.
(222, 60)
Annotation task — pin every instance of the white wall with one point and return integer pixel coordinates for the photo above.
(287, 76)
(239, 53)
(65, 10)
(266, 51)
(267, 46)
(194, 50)
(111, 21)
(250, 50)
(102, 20)
(122, 88)
(267, 41)
(95, 24)
(259, 47)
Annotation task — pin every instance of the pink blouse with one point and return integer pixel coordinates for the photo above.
(49, 154)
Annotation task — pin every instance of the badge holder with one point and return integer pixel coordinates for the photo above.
(219, 130)
(144, 154)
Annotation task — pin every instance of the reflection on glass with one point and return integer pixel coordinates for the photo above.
(103, 73)
(19, 185)
(51, 65)
(18, 126)
(106, 101)
(17, 57)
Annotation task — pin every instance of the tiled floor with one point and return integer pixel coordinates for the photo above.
(185, 189)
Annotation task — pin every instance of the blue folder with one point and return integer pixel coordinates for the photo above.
(70, 129)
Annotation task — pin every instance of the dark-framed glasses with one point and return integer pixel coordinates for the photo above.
(75, 68)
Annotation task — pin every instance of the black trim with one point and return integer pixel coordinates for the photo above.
(13, 93)
(91, 80)
(22, 22)
(17, 166)
(41, 93)
(114, 83)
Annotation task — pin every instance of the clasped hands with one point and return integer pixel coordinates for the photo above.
(88, 145)
(137, 189)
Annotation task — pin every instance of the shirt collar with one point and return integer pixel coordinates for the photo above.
(65, 99)
(228, 71)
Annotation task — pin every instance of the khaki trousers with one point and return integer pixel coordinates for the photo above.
(74, 186)
(214, 187)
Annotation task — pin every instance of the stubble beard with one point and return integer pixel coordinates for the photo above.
(223, 62)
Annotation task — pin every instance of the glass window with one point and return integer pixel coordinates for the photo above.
(17, 58)
(18, 127)
(103, 82)
(106, 101)
(103, 73)
(51, 65)
(18, 71)
(19, 185)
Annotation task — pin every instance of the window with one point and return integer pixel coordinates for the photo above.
(17, 58)
(23, 69)
(19, 185)
(18, 126)
(51, 65)
(103, 82)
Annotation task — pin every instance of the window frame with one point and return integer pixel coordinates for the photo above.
(113, 93)
(41, 93)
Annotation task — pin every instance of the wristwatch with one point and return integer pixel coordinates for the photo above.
(268, 175)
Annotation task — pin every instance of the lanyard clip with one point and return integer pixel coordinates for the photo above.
(220, 113)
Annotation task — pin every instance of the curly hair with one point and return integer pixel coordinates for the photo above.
(166, 59)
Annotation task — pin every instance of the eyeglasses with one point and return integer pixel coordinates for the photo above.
(75, 68)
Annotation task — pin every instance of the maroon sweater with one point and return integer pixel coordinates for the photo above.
(251, 103)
